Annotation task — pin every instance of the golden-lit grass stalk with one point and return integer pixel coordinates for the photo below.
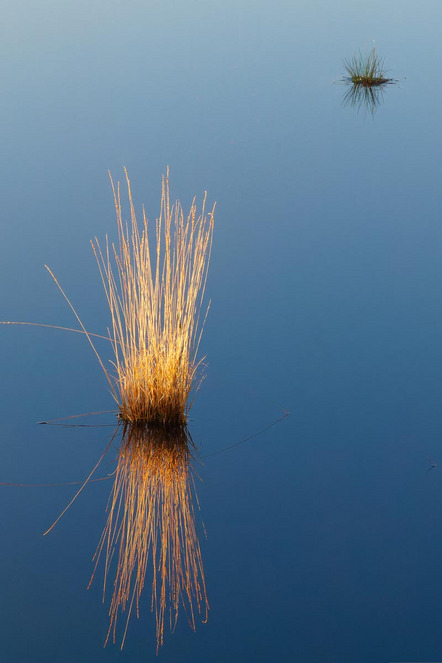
(155, 296)
(151, 523)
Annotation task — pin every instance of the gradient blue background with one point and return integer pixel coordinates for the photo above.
(325, 533)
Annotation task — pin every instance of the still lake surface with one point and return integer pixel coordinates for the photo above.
(324, 534)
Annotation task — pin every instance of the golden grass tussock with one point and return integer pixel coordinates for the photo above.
(155, 292)
(151, 524)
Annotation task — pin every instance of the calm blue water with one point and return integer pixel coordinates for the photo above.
(324, 533)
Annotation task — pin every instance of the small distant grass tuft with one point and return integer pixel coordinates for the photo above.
(366, 70)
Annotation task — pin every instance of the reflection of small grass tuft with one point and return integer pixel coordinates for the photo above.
(366, 70)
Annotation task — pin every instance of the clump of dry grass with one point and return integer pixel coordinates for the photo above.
(155, 296)
(155, 288)
(151, 523)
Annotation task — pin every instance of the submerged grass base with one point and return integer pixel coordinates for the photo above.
(369, 81)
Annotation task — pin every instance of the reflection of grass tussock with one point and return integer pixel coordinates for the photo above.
(155, 296)
(151, 523)
(366, 70)
(359, 97)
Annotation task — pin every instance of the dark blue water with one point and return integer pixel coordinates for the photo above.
(324, 533)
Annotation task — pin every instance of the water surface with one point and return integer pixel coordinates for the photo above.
(324, 537)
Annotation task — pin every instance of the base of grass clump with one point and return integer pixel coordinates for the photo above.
(154, 419)
(179, 419)
(155, 382)
(369, 82)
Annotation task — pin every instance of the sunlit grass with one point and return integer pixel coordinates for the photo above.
(154, 288)
(151, 526)
(154, 281)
